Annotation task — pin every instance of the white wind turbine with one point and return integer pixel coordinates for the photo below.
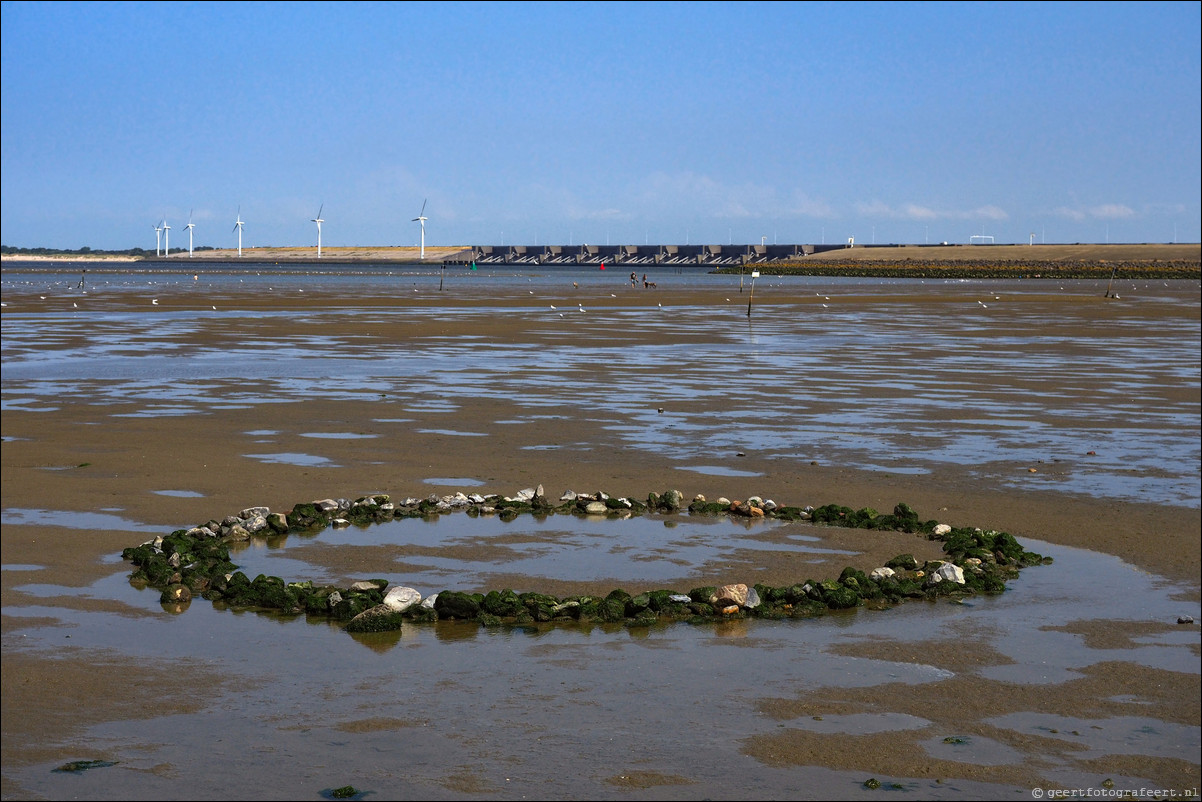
(238, 227)
(190, 226)
(319, 221)
(158, 239)
(166, 238)
(421, 218)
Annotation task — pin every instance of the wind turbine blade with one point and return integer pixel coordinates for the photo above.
(424, 201)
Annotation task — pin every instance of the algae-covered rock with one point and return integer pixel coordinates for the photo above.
(840, 597)
(176, 594)
(504, 603)
(903, 562)
(196, 560)
(380, 618)
(637, 605)
(456, 604)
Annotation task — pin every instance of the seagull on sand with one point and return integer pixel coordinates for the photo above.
(154, 301)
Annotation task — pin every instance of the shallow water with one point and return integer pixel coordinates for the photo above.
(914, 375)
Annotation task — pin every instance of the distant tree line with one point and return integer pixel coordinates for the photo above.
(9, 250)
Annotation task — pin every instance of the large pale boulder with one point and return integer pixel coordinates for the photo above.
(729, 594)
(401, 599)
(948, 572)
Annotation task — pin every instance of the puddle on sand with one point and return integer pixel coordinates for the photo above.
(716, 470)
(179, 493)
(337, 435)
(453, 482)
(74, 520)
(293, 459)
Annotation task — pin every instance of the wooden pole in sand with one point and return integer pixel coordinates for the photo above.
(754, 275)
(1113, 270)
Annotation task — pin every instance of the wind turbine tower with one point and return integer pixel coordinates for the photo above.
(421, 218)
(166, 238)
(158, 239)
(190, 226)
(238, 227)
(319, 221)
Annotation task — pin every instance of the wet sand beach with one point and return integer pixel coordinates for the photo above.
(155, 401)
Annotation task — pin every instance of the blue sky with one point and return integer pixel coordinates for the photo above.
(605, 123)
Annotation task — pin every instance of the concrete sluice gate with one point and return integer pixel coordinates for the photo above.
(636, 254)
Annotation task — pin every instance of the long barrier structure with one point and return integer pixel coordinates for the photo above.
(716, 255)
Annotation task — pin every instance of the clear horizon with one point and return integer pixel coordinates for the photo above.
(606, 123)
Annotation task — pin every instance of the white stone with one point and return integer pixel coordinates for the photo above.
(401, 599)
(942, 529)
(950, 572)
(880, 573)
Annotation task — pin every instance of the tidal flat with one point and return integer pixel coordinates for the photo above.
(146, 402)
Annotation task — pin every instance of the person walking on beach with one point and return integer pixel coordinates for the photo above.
(634, 280)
